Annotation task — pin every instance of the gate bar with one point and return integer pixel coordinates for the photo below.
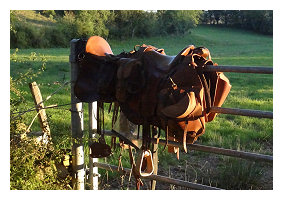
(157, 177)
(222, 151)
(239, 69)
(243, 112)
(215, 150)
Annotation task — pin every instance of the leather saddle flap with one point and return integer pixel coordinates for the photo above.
(222, 90)
(182, 108)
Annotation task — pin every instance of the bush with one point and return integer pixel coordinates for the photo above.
(17, 95)
(48, 13)
(32, 167)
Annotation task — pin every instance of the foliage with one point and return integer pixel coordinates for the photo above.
(18, 95)
(26, 29)
(178, 21)
(84, 23)
(51, 28)
(257, 20)
(30, 29)
(31, 166)
(130, 23)
(49, 13)
(23, 77)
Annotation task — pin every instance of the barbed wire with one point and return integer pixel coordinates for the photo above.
(37, 106)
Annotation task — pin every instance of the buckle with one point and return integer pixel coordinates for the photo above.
(174, 85)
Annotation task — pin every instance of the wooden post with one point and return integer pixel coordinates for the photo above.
(76, 125)
(93, 171)
(42, 117)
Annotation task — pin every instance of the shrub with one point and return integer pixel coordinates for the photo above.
(32, 167)
(48, 13)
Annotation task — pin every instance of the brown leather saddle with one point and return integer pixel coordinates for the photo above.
(152, 89)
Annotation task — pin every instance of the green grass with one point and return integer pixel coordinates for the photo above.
(227, 47)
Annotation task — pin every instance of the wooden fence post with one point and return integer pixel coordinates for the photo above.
(76, 125)
(45, 137)
(93, 171)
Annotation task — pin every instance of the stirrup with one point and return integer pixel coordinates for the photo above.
(145, 163)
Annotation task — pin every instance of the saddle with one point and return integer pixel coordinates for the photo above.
(152, 89)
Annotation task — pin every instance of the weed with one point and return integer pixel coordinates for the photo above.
(242, 174)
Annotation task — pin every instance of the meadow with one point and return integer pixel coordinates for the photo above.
(251, 91)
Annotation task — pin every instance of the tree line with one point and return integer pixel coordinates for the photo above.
(260, 21)
(123, 24)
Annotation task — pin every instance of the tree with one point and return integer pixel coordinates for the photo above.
(217, 15)
(178, 21)
(84, 23)
(92, 22)
(256, 20)
(131, 23)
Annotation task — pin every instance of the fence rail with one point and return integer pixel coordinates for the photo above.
(157, 177)
(243, 112)
(215, 150)
(239, 69)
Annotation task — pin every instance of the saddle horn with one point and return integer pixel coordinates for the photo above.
(98, 46)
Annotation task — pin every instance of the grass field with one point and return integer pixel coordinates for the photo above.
(251, 91)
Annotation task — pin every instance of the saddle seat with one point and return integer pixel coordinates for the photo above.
(159, 59)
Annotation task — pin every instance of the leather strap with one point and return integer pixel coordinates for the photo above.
(134, 170)
(185, 137)
(206, 89)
